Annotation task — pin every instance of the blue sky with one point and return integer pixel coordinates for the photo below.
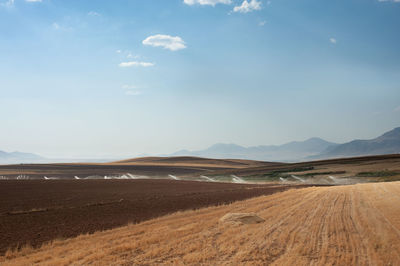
(119, 78)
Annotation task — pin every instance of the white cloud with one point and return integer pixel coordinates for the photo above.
(129, 87)
(165, 41)
(9, 3)
(246, 6)
(207, 2)
(59, 27)
(136, 64)
(262, 23)
(56, 26)
(133, 93)
(333, 40)
(93, 14)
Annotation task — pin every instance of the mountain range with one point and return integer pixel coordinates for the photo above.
(18, 157)
(388, 143)
(291, 151)
(311, 149)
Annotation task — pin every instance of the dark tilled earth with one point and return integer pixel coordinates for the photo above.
(36, 211)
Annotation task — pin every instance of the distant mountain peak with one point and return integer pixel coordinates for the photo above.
(394, 133)
(18, 157)
(387, 143)
(292, 151)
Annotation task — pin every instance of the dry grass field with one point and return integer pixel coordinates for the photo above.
(189, 161)
(340, 225)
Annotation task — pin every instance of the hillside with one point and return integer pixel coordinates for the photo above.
(194, 162)
(388, 143)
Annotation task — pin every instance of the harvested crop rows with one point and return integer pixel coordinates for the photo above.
(348, 225)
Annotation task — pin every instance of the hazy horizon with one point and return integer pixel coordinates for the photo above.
(115, 79)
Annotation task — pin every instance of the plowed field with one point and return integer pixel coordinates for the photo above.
(343, 225)
(35, 211)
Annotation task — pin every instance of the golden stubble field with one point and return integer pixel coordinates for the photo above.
(342, 225)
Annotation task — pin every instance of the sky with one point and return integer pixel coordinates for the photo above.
(108, 79)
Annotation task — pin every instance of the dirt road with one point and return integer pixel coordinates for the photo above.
(348, 225)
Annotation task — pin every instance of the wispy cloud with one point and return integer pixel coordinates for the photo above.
(56, 26)
(9, 3)
(133, 93)
(262, 23)
(333, 40)
(136, 64)
(129, 87)
(165, 41)
(246, 6)
(394, 1)
(207, 2)
(33, 1)
(93, 14)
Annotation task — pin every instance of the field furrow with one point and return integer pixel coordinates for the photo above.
(344, 225)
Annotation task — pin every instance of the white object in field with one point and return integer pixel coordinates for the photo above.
(173, 177)
(208, 178)
(137, 176)
(334, 179)
(237, 179)
(23, 177)
(298, 178)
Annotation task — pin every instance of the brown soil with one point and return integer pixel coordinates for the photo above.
(342, 225)
(36, 211)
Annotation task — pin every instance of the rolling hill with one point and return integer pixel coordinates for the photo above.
(193, 162)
